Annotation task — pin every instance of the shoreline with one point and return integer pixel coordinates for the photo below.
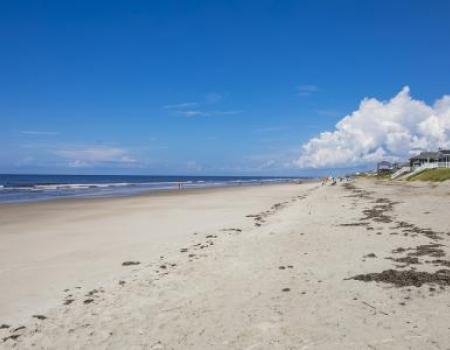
(148, 192)
(145, 194)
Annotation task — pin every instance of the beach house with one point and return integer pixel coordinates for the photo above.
(439, 159)
(423, 158)
(384, 167)
(444, 158)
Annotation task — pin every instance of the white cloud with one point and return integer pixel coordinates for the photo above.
(196, 113)
(327, 112)
(193, 113)
(232, 112)
(36, 132)
(83, 156)
(192, 165)
(306, 90)
(213, 97)
(270, 129)
(380, 130)
(181, 105)
(196, 109)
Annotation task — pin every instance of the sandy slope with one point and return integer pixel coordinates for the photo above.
(277, 280)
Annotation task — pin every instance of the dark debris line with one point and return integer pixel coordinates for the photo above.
(407, 278)
(403, 278)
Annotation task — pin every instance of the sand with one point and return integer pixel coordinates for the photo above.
(266, 267)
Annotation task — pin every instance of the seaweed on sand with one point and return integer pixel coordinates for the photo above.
(407, 278)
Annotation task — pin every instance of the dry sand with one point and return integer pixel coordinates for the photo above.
(267, 267)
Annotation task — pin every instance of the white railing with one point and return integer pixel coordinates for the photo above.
(400, 172)
(430, 165)
(423, 167)
(444, 164)
(433, 165)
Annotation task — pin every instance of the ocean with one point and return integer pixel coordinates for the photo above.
(27, 188)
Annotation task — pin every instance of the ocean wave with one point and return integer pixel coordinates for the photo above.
(91, 186)
(56, 187)
(22, 189)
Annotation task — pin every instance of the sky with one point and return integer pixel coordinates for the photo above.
(220, 87)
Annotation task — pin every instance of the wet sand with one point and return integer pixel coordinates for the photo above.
(352, 266)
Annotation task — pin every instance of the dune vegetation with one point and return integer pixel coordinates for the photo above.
(438, 175)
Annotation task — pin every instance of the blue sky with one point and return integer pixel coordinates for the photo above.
(204, 87)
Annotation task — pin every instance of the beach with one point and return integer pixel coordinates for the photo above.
(359, 265)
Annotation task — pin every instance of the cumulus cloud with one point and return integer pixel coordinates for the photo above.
(93, 155)
(379, 130)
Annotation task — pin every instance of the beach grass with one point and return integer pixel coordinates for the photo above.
(437, 175)
(383, 176)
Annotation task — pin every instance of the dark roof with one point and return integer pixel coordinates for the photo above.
(444, 151)
(384, 165)
(426, 156)
(401, 164)
(384, 162)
